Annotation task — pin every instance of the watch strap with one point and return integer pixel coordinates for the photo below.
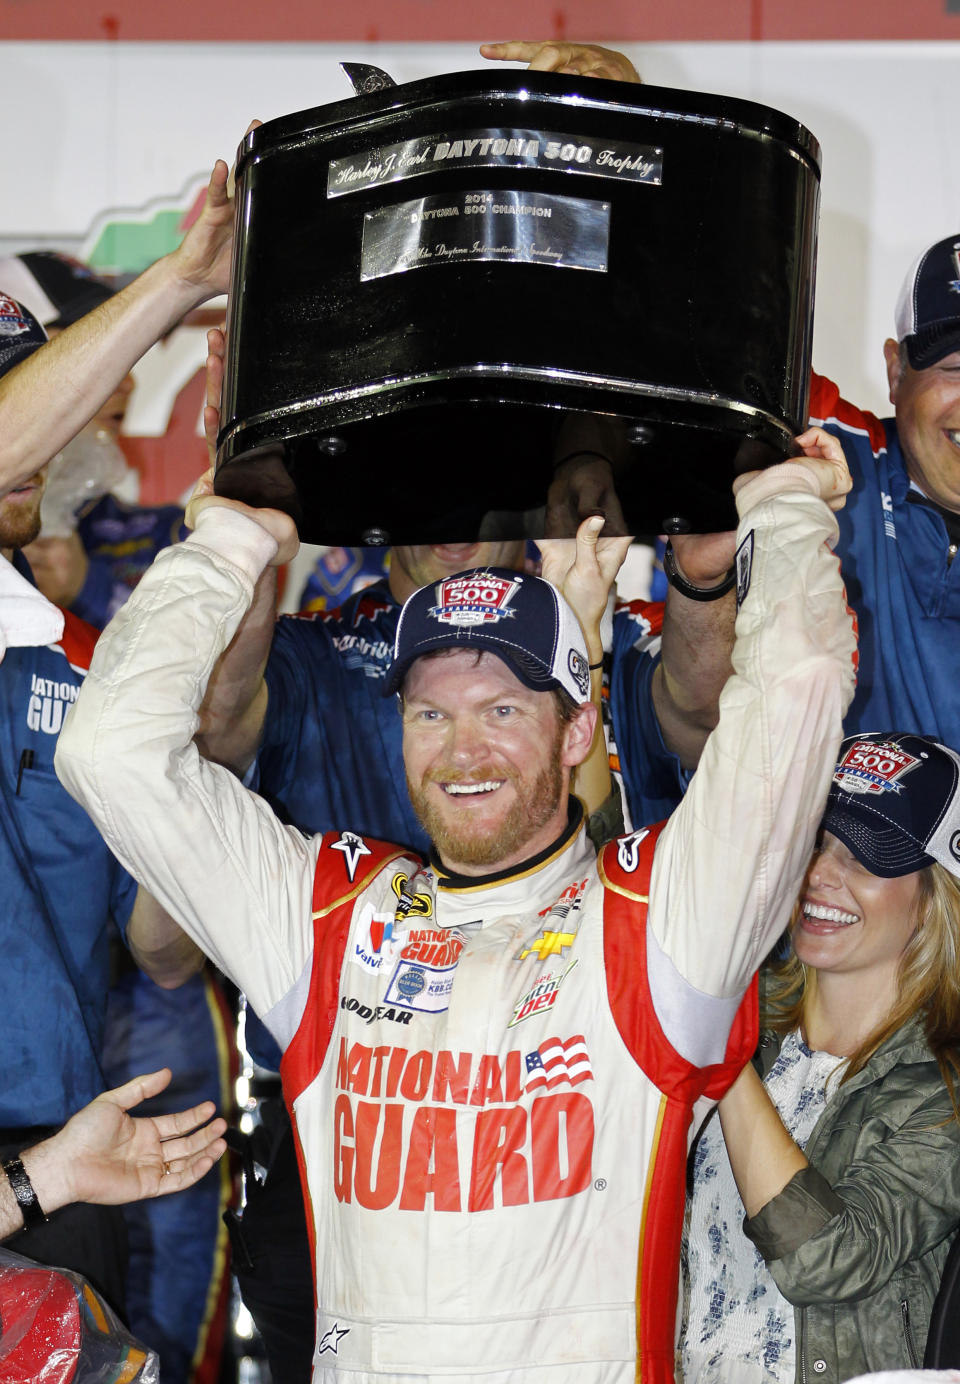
(686, 588)
(32, 1211)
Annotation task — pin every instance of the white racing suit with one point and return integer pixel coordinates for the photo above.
(492, 1080)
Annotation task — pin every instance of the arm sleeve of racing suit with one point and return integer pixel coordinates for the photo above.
(209, 850)
(730, 860)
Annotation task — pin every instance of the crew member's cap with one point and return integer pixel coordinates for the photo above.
(20, 333)
(895, 802)
(523, 619)
(928, 309)
(57, 289)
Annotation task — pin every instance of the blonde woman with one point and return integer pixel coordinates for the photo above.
(843, 1149)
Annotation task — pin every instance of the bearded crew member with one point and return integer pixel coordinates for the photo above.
(491, 1059)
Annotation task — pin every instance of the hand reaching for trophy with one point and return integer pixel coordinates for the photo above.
(588, 454)
(704, 559)
(574, 59)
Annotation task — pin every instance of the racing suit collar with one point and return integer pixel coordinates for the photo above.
(574, 835)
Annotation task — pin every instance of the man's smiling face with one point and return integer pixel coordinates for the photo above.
(488, 759)
(928, 422)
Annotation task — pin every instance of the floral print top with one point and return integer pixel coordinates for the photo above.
(738, 1328)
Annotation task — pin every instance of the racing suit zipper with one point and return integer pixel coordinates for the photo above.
(908, 1334)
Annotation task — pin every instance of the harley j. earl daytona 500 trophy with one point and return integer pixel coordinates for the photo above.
(446, 294)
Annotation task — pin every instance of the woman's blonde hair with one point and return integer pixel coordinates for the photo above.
(928, 983)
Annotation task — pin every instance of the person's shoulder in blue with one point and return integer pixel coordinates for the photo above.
(652, 776)
(330, 753)
(901, 527)
(340, 572)
(61, 883)
(120, 540)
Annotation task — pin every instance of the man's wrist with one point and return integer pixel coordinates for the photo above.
(178, 290)
(48, 1172)
(693, 592)
(232, 531)
(775, 480)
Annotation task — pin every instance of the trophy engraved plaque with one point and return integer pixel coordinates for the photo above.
(430, 280)
(485, 226)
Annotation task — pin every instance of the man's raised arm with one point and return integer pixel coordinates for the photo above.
(211, 853)
(50, 396)
(731, 858)
(696, 642)
(235, 703)
(698, 632)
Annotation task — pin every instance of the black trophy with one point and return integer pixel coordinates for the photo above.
(464, 304)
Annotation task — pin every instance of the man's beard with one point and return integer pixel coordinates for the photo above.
(465, 844)
(18, 525)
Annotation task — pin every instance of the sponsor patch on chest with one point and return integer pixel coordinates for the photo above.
(424, 988)
(462, 1131)
(542, 996)
(380, 941)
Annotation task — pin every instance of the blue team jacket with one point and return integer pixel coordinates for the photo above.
(59, 885)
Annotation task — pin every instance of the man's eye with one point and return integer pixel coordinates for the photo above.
(501, 712)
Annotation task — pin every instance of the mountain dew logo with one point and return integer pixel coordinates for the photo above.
(124, 241)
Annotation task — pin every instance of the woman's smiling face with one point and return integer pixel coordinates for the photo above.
(852, 921)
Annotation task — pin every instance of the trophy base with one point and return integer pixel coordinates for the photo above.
(457, 463)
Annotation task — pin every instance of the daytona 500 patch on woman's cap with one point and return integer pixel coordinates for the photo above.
(895, 802)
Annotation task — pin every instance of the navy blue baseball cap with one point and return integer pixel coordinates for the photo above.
(20, 333)
(57, 289)
(928, 309)
(895, 803)
(522, 619)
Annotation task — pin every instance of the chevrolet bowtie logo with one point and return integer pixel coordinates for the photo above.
(549, 944)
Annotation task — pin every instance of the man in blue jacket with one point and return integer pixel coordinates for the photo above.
(60, 883)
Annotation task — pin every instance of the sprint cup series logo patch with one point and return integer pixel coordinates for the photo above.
(874, 767)
(474, 600)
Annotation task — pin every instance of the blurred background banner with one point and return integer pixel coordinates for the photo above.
(120, 115)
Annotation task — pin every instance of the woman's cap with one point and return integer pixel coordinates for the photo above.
(895, 802)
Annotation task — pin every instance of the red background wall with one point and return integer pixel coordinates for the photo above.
(424, 20)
